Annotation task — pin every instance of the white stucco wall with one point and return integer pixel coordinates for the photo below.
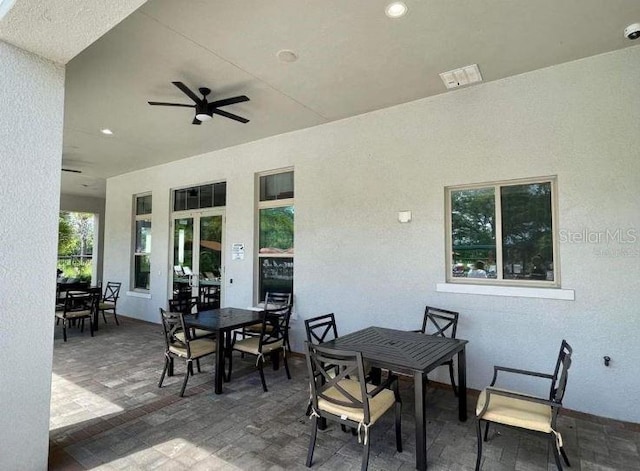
(31, 113)
(84, 204)
(579, 121)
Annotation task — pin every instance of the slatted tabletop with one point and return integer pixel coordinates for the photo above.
(399, 350)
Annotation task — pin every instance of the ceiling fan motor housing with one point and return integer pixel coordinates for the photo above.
(202, 112)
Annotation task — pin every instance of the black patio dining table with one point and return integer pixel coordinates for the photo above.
(410, 353)
(223, 321)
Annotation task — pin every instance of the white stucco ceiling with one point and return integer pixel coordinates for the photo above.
(60, 29)
(352, 59)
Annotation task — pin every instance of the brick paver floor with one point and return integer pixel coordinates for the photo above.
(108, 413)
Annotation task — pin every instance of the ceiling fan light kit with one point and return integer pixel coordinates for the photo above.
(205, 110)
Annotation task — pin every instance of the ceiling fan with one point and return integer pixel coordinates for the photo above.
(204, 109)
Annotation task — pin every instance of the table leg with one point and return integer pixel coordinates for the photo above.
(421, 421)
(219, 373)
(462, 385)
(376, 376)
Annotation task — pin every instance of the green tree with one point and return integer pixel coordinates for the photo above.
(66, 240)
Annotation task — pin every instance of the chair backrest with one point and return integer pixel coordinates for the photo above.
(112, 291)
(172, 324)
(277, 299)
(184, 305)
(321, 329)
(561, 373)
(82, 301)
(440, 322)
(327, 369)
(275, 325)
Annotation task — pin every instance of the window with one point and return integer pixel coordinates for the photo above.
(503, 233)
(275, 233)
(142, 243)
(200, 197)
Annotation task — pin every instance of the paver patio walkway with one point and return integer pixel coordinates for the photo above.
(108, 413)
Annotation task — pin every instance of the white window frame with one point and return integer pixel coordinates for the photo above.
(134, 253)
(267, 205)
(499, 281)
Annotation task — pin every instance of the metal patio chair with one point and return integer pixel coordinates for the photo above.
(525, 411)
(346, 398)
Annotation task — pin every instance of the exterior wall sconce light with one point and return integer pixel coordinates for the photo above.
(404, 216)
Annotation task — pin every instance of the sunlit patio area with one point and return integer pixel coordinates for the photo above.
(107, 412)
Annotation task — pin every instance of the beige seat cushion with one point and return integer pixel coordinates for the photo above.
(106, 306)
(250, 345)
(195, 334)
(73, 314)
(515, 412)
(198, 348)
(378, 405)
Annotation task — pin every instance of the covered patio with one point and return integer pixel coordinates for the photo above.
(373, 147)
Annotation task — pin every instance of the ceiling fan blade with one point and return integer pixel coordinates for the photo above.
(230, 115)
(159, 103)
(187, 91)
(71, 170)
(196, 121)
(228, 101)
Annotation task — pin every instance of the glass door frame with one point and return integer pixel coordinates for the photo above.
(196, 215)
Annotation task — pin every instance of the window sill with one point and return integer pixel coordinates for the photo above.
(139, 294)
(510, 291)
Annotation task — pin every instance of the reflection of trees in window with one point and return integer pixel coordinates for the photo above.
(472, 217)
(276, 230)
(473, 229)
(210, 256)
(527, 230)
(525, 221)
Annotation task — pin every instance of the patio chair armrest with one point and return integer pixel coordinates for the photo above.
(517, 371)
(386, 384)
(514, 395)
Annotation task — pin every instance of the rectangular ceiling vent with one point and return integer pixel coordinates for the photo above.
(460, 77)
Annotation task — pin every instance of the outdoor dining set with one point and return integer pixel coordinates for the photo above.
(353, 379)
(77, 302)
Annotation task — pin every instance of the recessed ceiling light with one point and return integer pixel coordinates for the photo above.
(106, 131)
(396, 10)
(287, 55)
(5, 6)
